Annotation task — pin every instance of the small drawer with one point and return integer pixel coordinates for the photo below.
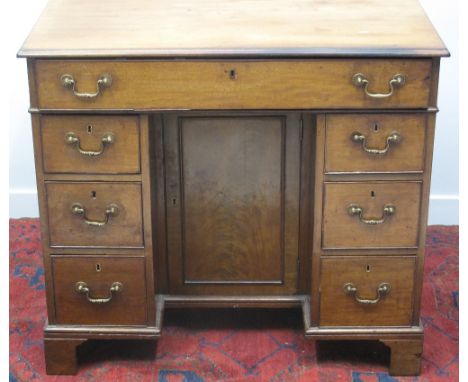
(233, 84)
(371, 214)
(99, 290)
(87, 214)
(375, 143)
(366, 291)
(90, 144)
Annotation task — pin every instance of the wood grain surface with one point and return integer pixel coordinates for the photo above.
(233, 84)
(232, 186)
(342, 154)
(127, 307)
(366, 273)
(341, 230)
(68, 229)
(105, 28)
(120, 157)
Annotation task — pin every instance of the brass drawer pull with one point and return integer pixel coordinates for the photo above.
(388, 210)
(72, 139)
(68, 82)
(393, 138)
(361, 81)
(111, 210)
(382, 290)
(82, 287)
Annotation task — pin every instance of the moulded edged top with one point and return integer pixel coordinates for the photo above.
(230, 28)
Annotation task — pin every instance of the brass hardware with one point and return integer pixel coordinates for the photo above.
(388, 210)
(361, 81)
(111, 210)
(72, 139)
(68, 82)
(382, 290)
(393, 138)
(82, 287)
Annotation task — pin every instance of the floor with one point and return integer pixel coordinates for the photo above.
(232, 345)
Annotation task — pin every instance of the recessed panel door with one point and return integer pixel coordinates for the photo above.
(232, 203)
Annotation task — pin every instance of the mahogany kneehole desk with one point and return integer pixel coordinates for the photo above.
(193, 154)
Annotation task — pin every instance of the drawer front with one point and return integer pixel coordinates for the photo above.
(371, 215)
(99, 290)
(375, 143)
(322, 83)
(90, 214)
(366, 291)
(90, 144)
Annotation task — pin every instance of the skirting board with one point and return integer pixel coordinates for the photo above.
(443, 209)
(23, 203)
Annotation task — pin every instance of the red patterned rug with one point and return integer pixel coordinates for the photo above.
(232, 345)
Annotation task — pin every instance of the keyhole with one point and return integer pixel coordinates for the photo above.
(376, 127)
(174, 201)
(232, 74)
(368, 268)
(372, 194)
(93, 194)
(98, 267)
(90, 129)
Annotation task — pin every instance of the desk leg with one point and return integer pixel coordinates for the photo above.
(60, 355)
(405, 356)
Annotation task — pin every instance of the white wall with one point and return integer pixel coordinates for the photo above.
(23, 196)
(444, 190)
(443, 207)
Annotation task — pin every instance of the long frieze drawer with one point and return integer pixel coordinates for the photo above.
(375, 143)
(366, 291)
(233, 84)
(87, 214)
(90, 144)
(371, 214)
(99, 290)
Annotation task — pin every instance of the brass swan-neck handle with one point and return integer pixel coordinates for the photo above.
(393, 138)
(382, 290)
(73, 139)
(355, 210)
(359, 80)
(69, 82)
(83, 288)
(112, 210)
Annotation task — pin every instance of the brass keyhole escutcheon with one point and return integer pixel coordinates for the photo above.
(98, 267)
(368, 268)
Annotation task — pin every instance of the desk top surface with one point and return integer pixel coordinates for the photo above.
(233, 28)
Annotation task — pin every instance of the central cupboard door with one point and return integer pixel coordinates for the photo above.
(232, 203)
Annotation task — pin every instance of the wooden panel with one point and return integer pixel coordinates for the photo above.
(230, 219)
(206, 27)
(68, 229)
(405, 356)
(213, 84)
(127, 307)
(60, 355)
(341, 230)
(366, 274)
(345, 155)
(122, 156)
